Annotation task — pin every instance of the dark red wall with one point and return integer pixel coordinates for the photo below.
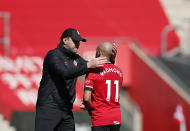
(156, 98)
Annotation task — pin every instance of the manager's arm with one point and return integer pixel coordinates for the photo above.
(69, 71)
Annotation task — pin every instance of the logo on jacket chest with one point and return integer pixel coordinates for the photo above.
(75, 63)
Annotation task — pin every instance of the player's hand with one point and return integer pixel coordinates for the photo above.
(97, 62)
(82, 106)
(114, 53)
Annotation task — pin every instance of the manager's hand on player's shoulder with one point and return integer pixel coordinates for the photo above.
(97, 62)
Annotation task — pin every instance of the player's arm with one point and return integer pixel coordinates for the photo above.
(88, 87)
(87, 99)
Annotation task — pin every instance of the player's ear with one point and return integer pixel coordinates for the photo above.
(102, 53)
(97, 53)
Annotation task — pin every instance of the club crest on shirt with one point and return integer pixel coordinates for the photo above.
(66, 63)
(75, 63)
(87, 81)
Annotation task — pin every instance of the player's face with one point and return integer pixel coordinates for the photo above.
(71, 44)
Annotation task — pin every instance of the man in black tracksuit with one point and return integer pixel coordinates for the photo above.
(56, 94)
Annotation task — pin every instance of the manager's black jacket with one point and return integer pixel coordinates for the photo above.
(61, 68)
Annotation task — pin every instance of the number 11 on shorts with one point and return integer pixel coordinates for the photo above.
(116, 82)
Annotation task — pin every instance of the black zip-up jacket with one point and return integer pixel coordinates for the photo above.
(61, 68)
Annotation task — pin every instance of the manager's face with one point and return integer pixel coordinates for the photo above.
(71, 44)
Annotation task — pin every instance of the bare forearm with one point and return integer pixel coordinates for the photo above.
(87, 99)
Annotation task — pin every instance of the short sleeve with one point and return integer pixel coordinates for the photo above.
(89, 82)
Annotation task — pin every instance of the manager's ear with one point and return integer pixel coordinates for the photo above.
(64, 40)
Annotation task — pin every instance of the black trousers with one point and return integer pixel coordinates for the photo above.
(52, 119)
(106, 128)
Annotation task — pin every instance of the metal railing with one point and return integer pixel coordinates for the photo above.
(184, 47)
(167, 29)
